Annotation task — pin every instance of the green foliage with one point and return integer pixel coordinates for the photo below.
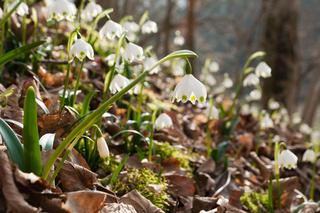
(143, 181)
(9, 56)
(165, 150)
(254, 200)
(32, 154)
(12, 142)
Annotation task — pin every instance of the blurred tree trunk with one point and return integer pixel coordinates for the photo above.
(280, 41)
(167, 26)
(191, 29)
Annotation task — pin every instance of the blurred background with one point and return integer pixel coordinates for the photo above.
(229, 31)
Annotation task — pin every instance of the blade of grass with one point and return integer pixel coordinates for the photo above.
(12, 142)
(18, 51)
(32, 155)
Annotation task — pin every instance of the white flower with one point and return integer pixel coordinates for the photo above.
(111, 30)
(91, 11)
(212, 112)
(309, 156)
(190, 88)
(251, 80)
(81, 49)
(22, 9)
(61, 9)
(214, 66)
(273, 105)
(149, 27)
(296, 119)
(133, 52)
(149, 62)
(266, 122)
(110, 59)
(130, 26)
(254, 95)
(178, 39)
(305, 129)
(102, 147)
(163, 121)
(1, 13)
(263, 70)
(118, 82)
(287, 159)
(227, 82)
(315, 137)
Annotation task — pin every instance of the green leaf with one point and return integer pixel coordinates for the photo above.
(8, 15)
(86, 103)
(218, 153)
(32, 154)
(12, 142)
(18, 51)
(91, 118)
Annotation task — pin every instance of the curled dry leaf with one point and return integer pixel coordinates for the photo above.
(118, 208)
(14, 199)
(74, 177)
(140, 203)
(85, 201)
(180, 185)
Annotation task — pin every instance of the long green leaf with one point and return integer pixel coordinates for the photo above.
(18, 51)
(32, 155)
(92, 117)
(8, 15)
(12, 142)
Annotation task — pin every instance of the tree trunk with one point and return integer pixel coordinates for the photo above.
(280, 41)
(167, 25)
(191, 29)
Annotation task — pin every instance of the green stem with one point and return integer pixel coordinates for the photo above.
(66, 82)
(109, 76)
(312, 183)
(277, 172)
(77, 84)
(24, 30)
(92, 117)
(80, 11)
(150, 150)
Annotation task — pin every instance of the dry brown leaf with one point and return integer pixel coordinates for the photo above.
(140, 203)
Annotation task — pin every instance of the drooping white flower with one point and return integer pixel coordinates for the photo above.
(227, 82)
(296, 118)
(61, 9)
(287, 159)
(133, 52)
(130, 26)
(214, 67)
(309, 156)
(110, 59)
(254, 95)
(21, 10)
(91, 10)
(1, 13)
(263, 70)
(305, 129)
(149, 27)
(273, 105)
(315, 138)
(163, 121)
(118, 82)
(251, 80)
(81, 49)
(102, 148)
(190, 89)
(178, 39)
(266, 122)
(111, 30)
(149, 62)
(212, 112)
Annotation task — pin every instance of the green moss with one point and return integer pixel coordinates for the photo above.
(253, 200)
(165, 150)
(142, 180)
